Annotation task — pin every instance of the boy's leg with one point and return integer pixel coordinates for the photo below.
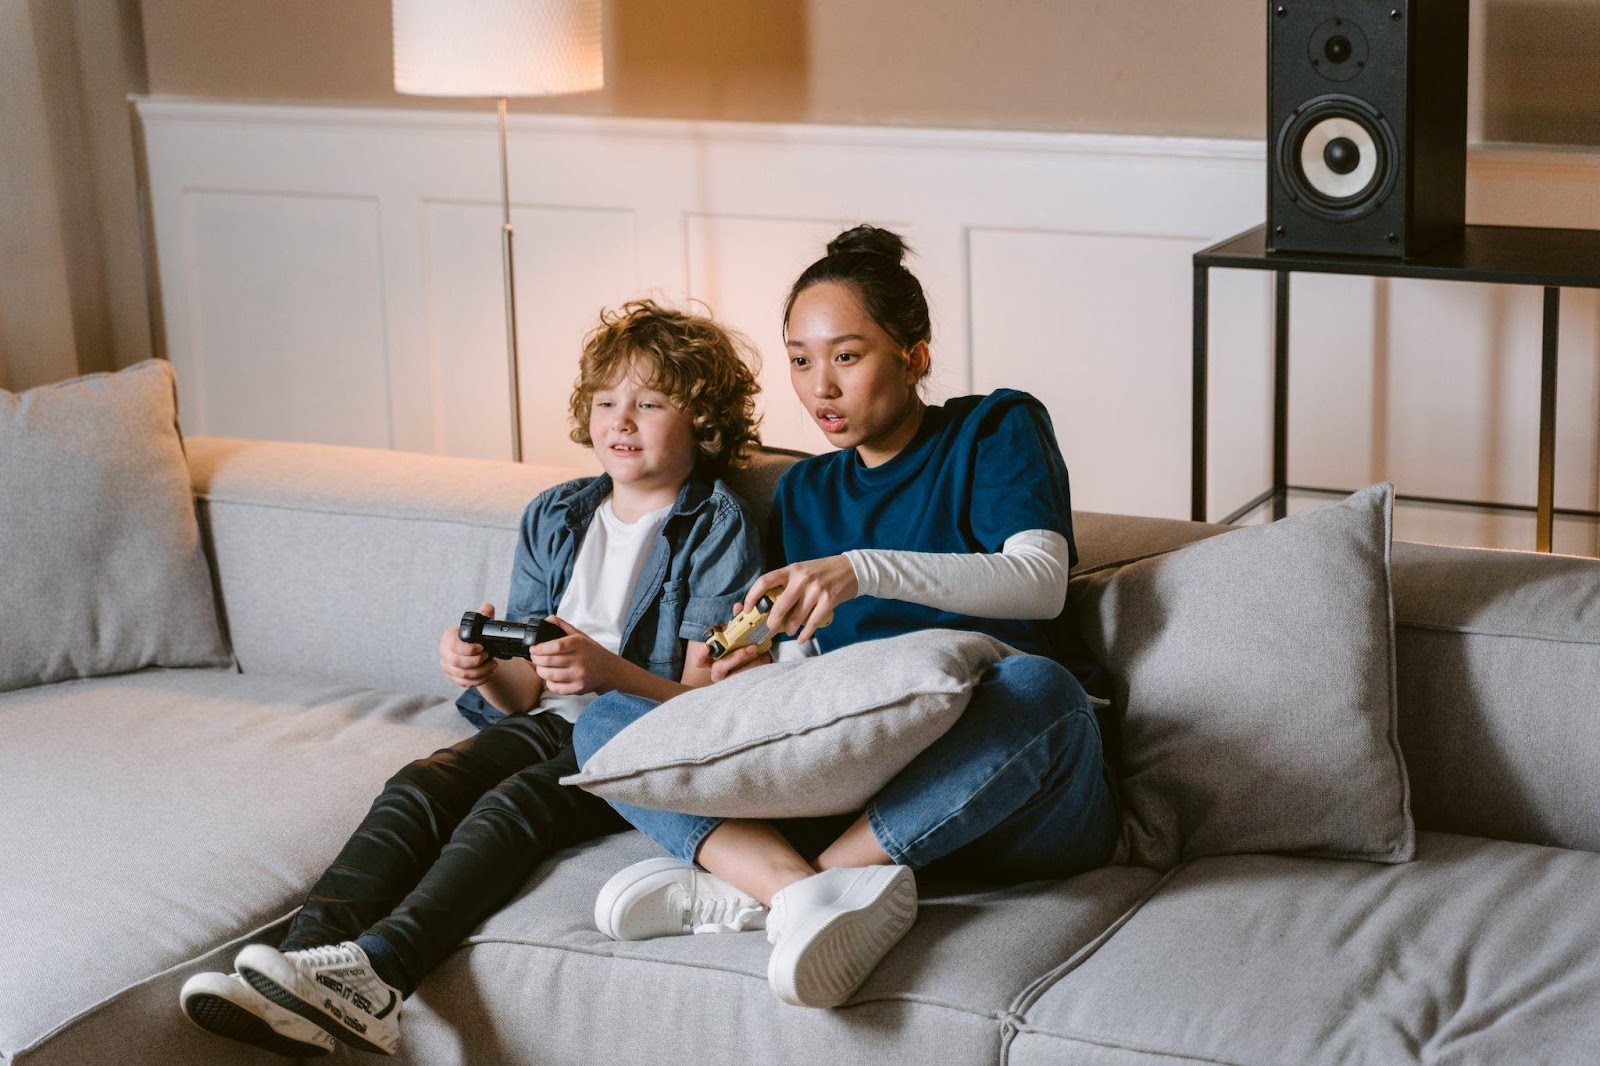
(408, 825)
(1016, 790)
(495, 848)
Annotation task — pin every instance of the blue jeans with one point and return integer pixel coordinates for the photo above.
(1015, 791)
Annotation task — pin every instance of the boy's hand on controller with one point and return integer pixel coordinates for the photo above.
(465, 664)
(738, 659)
(575, 663)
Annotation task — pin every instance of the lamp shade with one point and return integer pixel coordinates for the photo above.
(497, 47)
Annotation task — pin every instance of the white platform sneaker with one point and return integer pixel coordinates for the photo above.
(335, 987)
(832, 929)
(222, 1003)
(666, 897)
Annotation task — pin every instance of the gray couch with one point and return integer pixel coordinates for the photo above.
(157, 821)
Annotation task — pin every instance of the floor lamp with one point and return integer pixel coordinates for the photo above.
(500, 49)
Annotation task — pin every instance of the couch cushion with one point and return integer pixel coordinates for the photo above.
(1478, 952)
(347, 563)
(153, 816)
(1109, 539)
(101, 570)
(1252, 676)
(940, 995)
(1499, 670)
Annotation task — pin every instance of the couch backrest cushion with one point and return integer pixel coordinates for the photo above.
(347, 563)
(1499, 689)
(101, 570)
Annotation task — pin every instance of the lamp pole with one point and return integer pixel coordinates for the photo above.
(500, 50)
(511, 294)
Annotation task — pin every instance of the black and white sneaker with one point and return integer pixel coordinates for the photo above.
(223, 1004)
(335, 987)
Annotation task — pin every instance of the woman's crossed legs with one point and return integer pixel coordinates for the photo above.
(1016, 790)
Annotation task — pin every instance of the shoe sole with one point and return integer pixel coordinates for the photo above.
(219, 1015)
(277, 989)
(608, 913)
(829, 962)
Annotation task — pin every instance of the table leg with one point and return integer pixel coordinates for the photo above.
(1280, 396)
(1545, 521)
(1197, 423)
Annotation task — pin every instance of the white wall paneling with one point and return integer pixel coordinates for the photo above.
(251, 255)
(334, 274)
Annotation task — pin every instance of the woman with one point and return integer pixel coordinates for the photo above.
(954, 516)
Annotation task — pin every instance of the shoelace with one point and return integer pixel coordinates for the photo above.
(705, 913)
(331, 955)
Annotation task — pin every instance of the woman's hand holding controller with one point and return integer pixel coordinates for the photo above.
(465, 664)
(811, 590)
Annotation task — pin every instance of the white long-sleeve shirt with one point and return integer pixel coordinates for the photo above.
(1026, 578)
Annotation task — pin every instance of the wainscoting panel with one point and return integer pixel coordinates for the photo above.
(334, 274)
(1091, 320)
(261, 269)
(569, 263)
(742, 268)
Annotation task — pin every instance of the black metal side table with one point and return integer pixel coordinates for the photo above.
(1508, 255)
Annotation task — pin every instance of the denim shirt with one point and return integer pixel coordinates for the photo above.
(705, 559)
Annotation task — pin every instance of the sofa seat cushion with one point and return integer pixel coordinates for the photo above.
(1479, 951)
(153, 816)
(940, 996)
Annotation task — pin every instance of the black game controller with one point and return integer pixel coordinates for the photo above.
(507, 640)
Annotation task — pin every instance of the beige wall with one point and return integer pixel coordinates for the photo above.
(72, 277)
(1180, 67)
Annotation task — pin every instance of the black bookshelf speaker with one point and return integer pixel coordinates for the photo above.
(1366, 125)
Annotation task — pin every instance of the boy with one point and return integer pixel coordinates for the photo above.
(666, 401)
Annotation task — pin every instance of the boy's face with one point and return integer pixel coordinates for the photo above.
(643, 441)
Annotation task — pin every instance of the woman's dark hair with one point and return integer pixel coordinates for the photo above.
(868, 259)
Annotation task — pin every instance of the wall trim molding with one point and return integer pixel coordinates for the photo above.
(1054, 261)
(183, 109)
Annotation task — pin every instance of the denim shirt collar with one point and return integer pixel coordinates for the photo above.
(692, 496)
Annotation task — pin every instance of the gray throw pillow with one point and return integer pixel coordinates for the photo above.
(1252, 675)
(796, 739)
(101, 570)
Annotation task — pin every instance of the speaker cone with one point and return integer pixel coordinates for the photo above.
(1336, 155)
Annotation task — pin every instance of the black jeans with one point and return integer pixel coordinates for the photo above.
(451, 839)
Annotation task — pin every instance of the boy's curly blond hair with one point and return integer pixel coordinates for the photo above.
(708, 371)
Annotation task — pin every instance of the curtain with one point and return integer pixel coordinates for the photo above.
(73, 291)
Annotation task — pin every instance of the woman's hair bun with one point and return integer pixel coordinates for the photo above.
(868, 259)
(869, 240)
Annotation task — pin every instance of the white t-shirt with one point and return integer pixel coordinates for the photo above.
(610, 559)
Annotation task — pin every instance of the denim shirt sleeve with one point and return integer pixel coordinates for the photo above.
(529, 598)
(723, 564)
(530, 576)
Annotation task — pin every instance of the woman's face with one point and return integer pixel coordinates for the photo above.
(858, 384)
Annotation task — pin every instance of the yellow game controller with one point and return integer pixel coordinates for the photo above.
(749, 628)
